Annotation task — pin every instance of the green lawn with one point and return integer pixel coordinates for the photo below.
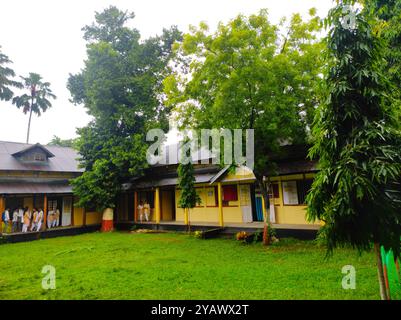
(177, 266)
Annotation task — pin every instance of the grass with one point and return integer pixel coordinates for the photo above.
(177, 266)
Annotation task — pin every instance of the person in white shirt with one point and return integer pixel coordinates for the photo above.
(6, 218)
(146, 210)
(56, 218)
(39, 220)
(140, 211)
(14, 227)
(33, 219)
(50, 215)
(20, 219)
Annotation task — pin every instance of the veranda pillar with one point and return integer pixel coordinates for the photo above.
(157, 205)
(220, 198)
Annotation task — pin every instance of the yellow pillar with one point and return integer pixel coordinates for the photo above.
(157, 205)
(220, 198)
(186, 216)
(263, 208)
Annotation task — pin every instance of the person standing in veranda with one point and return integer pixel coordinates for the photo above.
(56, 218)
(39, 220)
(50, 219)
(5, 217)
(34, 217)
(27, 221)
(14, 227)
(140, 211)
(20, 219)
(146, 210)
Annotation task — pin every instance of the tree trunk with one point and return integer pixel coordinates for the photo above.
(380, 273)
(265, 195)
(29, 126)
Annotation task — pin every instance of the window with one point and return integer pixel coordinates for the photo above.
(273, 191)
(39, 157)
(295, 192)
(303, 187)
(230, 193)
(211, 199)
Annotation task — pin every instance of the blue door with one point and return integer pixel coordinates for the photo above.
(259, 208)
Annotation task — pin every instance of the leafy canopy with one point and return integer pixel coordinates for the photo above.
(357, 191)
(6, 78)
(249, 74)
(120, 86)
(37, 98)
(189, 198)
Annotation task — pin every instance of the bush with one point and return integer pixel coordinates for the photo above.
(241, 236)
(198, 234)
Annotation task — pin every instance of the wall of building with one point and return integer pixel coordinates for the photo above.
(208, 209)
(290, 213)
(93, 217)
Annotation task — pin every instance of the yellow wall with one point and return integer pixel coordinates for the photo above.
(290, 214)
(208, 211)
(93, 218)
(167, 205)
(78, 216)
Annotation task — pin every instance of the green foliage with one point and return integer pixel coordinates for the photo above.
(388, 24)
(357, 192)
(186, 182)
(6, 78)
(36, 100)
(57, 141)
(120, 87)
(249, 75)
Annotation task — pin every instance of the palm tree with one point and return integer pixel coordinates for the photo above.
(37, 99)
(6, 82)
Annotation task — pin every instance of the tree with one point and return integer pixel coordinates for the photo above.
(36, 101)
(250, 75)
(57, 141)
(357, 192)
(6, 75)
(120, 86)
(189, 198)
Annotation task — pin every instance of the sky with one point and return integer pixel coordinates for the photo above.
(44, 36)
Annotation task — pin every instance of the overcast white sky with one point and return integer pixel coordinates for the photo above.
(44, 36)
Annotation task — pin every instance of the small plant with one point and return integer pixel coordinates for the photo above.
(198, 234)
(257, 236)
(242, 236)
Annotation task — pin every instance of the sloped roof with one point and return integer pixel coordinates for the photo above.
(32, 188)
(33, 147)
(63, 159)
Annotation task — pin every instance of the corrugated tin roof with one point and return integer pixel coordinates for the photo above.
(173, 181)
(33, 188)
(64, 160)
(297, 167)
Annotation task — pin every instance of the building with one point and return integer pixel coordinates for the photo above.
(37, 176)
(229, 197)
